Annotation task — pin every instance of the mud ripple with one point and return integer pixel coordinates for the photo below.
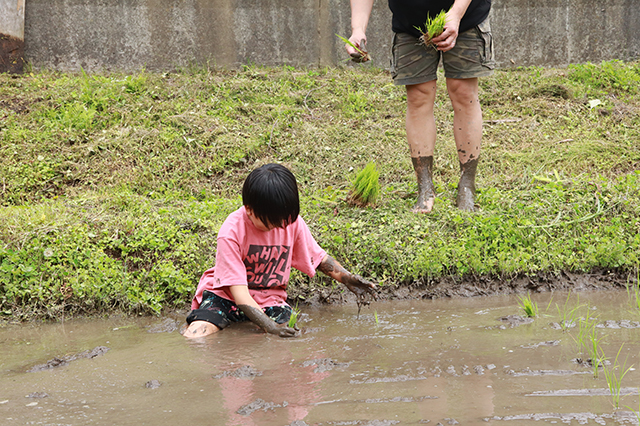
(619, 324)
(567, 418)
(167, 326)
(516, 320)
(259, 404)
(528, 372)
(244, 372)
(65, 360)
(537, 345)
(401, 378)
(583, 392)
(324, 364)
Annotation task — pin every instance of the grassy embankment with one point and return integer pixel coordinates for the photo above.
(113, 186)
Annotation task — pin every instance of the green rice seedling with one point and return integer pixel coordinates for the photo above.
(614, 374)
(529, 307)
(375, 316)
(366, 187)
(568, 316)
(364, 55)
(637, 413)
(433, 27)
(293, 319)
(633, 290)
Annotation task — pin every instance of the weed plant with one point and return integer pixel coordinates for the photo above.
(113, 186)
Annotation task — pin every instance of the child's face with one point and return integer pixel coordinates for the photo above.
(257, 222)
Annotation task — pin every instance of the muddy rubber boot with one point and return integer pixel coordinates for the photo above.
(426, 193)
(467, 186)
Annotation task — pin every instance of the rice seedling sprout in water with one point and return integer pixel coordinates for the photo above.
(633, 290)
(529, 307)
(614, 374)
(433, 27)
(366, 187)
(293, 319)
(568, 316)
(637, 413)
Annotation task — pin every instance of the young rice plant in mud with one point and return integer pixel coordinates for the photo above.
(529, 307)
(614, 373)
(366, 187)
(633, 290)
(433, 27)
(568, 316)
(637, 413)
(293, 319)
(589, 339)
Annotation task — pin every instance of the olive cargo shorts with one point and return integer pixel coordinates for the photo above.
(471, 57)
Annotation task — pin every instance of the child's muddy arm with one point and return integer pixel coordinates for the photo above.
(253, 311)
(358, 285)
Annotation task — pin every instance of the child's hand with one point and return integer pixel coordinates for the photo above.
(358, 285)
(361, 288)
(283, 330)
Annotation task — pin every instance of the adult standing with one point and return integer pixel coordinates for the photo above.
(466, 50)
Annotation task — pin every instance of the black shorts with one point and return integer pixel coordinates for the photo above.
(222, 312)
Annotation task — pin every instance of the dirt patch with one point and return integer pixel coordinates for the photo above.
(65, 360)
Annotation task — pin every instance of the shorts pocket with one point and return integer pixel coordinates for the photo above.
(393, 62)
(487, 58)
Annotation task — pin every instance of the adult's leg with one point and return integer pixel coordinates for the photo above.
(421, 135)
(467, 131)
(199, 329)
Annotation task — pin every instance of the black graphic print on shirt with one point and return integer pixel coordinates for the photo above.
(266, 265)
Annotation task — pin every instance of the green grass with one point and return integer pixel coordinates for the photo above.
(113, 186)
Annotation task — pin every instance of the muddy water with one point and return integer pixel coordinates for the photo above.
(454, 361)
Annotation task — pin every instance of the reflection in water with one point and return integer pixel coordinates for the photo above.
(442, 361)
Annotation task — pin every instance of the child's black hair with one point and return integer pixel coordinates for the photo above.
(271, 192)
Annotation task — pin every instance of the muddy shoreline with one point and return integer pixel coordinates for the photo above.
(470, 286)
(330, 293)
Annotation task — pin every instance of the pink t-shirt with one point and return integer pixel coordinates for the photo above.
(262, 260)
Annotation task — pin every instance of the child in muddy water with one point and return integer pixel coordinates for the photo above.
(257, 246)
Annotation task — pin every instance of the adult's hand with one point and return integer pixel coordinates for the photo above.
(447, 40)
(359, 52)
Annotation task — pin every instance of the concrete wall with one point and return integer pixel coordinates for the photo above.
(164, 34)
(11, 35)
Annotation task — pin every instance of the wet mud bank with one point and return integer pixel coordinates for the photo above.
(470, 286)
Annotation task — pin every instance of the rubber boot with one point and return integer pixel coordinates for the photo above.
(467, 186)
(426, 194)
